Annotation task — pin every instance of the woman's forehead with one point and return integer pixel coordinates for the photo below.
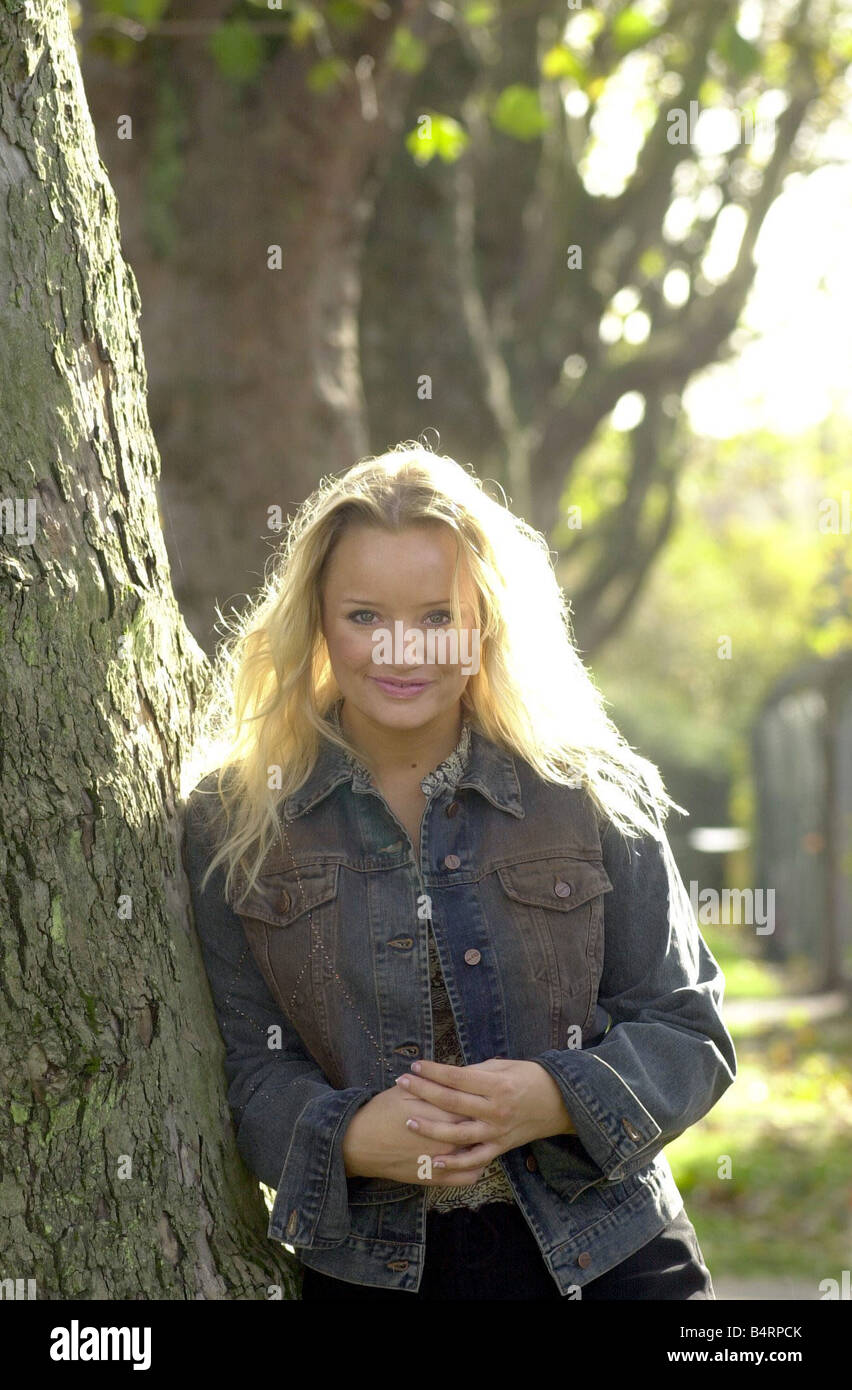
(393, 560)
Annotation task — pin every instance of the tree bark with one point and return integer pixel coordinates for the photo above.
(120, 1175)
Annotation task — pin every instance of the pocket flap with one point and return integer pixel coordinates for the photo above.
(282, 897)
(557, 883)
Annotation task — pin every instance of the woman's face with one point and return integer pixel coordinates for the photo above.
(376, 580)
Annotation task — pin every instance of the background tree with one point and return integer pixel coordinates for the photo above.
(120, 1174)
(447, 158)
(581, 224)
(246, 145)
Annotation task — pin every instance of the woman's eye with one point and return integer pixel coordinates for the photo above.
(359, 612)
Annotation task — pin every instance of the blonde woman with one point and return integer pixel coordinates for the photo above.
(464, 999)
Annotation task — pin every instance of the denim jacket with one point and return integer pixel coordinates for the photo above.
(557, 944)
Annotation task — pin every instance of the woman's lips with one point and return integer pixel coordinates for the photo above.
(402, 691)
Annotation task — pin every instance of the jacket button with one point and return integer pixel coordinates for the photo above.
(283, 901)
(453, 808)
(473, 957)
(630, 1130)
(562, 889)
(452, 861)
(398, 1265)
(584, 1259)
(532, 1163)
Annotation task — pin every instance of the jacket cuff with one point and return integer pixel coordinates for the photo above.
(311, 1206)
(611, 1122)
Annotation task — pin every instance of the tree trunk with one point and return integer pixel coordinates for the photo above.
(121, 1177)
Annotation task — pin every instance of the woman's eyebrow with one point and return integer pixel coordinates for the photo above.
(372, 603)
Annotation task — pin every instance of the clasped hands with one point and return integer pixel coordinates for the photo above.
(496, 1105)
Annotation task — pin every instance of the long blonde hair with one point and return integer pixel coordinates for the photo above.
(272, 686)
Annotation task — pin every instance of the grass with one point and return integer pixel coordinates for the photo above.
(766, 1176)
(747, 975)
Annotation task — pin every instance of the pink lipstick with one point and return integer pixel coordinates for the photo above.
(400, 690)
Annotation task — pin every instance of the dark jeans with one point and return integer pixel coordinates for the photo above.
(491, 1253)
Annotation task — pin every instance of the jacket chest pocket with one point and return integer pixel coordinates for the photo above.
(289, 918)
(561, 900)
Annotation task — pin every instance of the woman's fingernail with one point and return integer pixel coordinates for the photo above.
(439, 1163)
(415, 1067)
(403, 1081)
(412, 1124)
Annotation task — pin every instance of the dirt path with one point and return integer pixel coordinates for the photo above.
(815, 1006)
(779, 1290)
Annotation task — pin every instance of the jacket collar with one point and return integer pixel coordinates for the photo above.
(489, 770)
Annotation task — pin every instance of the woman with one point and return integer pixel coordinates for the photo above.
(464, 998)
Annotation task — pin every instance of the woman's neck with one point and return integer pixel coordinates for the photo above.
(402, 753)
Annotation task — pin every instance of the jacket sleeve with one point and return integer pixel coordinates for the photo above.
(667, 1057)
(289, 1120)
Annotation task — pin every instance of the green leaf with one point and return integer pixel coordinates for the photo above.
(407, 51)
(325, 74)
(304, 22)
(632, 28)
(238, 50)
(346, 15)
(776, 63)
(478, 12)
(595, 88)
(517, 112)
(711, 92)
(439, 135)
(652, 262)
(559, 61)
(841, 46)
(148, 11)
(742, 56)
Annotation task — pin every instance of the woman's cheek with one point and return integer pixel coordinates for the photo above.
(348, 648)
